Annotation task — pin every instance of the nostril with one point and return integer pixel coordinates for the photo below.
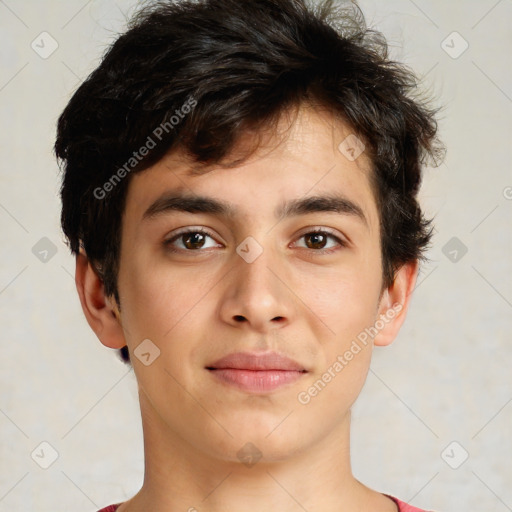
(239, 318)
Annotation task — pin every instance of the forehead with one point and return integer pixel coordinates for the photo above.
(310, 154)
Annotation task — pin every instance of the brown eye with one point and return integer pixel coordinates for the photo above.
(192, 240)
(318, 241)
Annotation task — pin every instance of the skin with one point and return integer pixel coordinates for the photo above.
(200, 305)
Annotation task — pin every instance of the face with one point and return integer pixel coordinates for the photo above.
(258, 268)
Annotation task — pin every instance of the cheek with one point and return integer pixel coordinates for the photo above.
(162, 305)
(344, 298)
(357, 302)
(348, 306)
(168, 304)
(156, 297)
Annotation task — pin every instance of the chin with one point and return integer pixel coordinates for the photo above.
(259, 444)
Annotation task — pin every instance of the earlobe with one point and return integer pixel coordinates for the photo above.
(394, 304)
(101, 313)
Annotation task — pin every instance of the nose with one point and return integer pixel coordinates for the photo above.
(256, 294)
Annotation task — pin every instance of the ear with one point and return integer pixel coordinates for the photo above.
(100, 311)
(394, 304)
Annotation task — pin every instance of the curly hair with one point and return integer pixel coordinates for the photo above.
(237, 66)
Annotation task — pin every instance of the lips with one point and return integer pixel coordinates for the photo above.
(256, 373)
(248, 361)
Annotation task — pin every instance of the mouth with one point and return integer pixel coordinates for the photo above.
(256, 373)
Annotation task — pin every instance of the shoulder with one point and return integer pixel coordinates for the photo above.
(404, 507)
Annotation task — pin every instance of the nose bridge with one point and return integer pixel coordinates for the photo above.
(256, 295)
(254, 275)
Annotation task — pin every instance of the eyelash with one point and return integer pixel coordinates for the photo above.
(322, 231)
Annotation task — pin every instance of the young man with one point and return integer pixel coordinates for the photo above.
(239, 190)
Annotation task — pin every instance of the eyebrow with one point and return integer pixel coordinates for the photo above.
(169, 202)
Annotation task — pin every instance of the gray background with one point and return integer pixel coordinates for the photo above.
(445, 379)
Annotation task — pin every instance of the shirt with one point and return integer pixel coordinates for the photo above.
(402, 507)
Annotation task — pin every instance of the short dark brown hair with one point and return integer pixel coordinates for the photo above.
(200, 73)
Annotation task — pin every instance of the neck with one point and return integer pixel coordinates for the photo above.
(178, 477)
